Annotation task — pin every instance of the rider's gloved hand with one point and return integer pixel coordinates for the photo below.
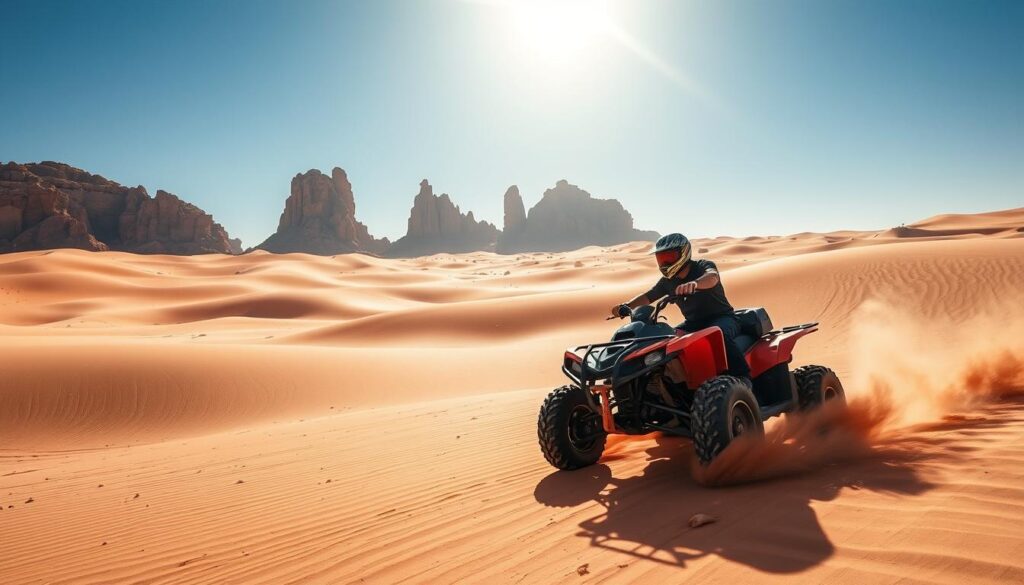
(621, 311)
(687, 288)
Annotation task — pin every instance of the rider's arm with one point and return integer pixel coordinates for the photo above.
(708, 280)
(660, 289)
(638, 301)
(705, 281)
(646, 298)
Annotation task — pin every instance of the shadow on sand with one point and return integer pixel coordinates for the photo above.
(770, 526)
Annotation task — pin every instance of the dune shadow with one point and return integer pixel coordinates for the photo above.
(770, 526)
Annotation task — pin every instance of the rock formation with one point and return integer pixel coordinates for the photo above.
(566, 218)
(437, 225)
(515, 211)
(320, 218)
(53, 205)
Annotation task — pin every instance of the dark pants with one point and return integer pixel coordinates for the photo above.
(730, 326)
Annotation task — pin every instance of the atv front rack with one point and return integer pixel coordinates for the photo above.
(587, 377)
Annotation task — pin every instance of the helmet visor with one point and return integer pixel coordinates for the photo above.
(667, 258)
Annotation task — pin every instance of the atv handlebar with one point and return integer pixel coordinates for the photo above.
(664, 303)
(624, 310)
(621, 312)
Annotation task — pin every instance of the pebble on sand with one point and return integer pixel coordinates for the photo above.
(698, 520)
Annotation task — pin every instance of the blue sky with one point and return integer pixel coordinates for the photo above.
(712, 117)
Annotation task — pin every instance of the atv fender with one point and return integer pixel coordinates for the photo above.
(702, 355)
(776, 348)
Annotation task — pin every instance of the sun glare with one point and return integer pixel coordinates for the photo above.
(559, 29)
(574, 37)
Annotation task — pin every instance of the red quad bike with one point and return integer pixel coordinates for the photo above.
(651, 377)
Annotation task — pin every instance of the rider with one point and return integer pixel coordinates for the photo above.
(701, 297)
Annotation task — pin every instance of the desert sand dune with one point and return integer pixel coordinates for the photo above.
(1006, 222)
(294, 418)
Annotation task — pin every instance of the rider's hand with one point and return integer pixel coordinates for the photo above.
(618, 312)
(687, 288)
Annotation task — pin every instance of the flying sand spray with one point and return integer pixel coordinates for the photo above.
(908, 370)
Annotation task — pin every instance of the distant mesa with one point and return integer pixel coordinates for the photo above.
(437, 225)
(53, 205)
(320, 218)
(566, 218)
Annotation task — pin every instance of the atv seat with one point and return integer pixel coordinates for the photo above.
(744, 342)
(754, 322)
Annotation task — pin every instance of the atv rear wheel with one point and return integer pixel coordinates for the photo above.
(569, 429)
(816, 385)
(723, 408)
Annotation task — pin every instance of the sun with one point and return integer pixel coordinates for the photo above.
(559, 29)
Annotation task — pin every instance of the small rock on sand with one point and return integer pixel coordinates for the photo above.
(698, 520)
(583, 569)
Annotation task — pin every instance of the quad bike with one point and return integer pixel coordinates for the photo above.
(652, 377)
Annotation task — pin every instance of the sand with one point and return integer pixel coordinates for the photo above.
(291, 418)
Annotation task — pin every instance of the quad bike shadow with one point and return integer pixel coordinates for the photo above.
(771, 528)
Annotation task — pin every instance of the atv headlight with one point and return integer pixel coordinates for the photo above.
(653, 358)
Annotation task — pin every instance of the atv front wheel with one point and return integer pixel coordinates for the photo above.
(723, 408)
(816, 385)
(569, 429)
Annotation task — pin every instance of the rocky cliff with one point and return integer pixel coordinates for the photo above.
(515, 211)
(566, 218)
(54, 205)
(320, 218)
(436, 225)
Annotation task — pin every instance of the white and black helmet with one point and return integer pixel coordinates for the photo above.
(672, 252)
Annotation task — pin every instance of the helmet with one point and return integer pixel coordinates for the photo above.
(672, 252)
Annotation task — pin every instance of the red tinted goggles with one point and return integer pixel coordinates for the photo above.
(668, 257)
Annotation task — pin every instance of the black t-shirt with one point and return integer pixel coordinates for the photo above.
(702, 305)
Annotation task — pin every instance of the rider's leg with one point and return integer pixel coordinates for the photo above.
(688, 327)
(730, 326)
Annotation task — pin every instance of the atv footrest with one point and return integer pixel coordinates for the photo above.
(777, 409)
(674, 411)
(675, 432)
